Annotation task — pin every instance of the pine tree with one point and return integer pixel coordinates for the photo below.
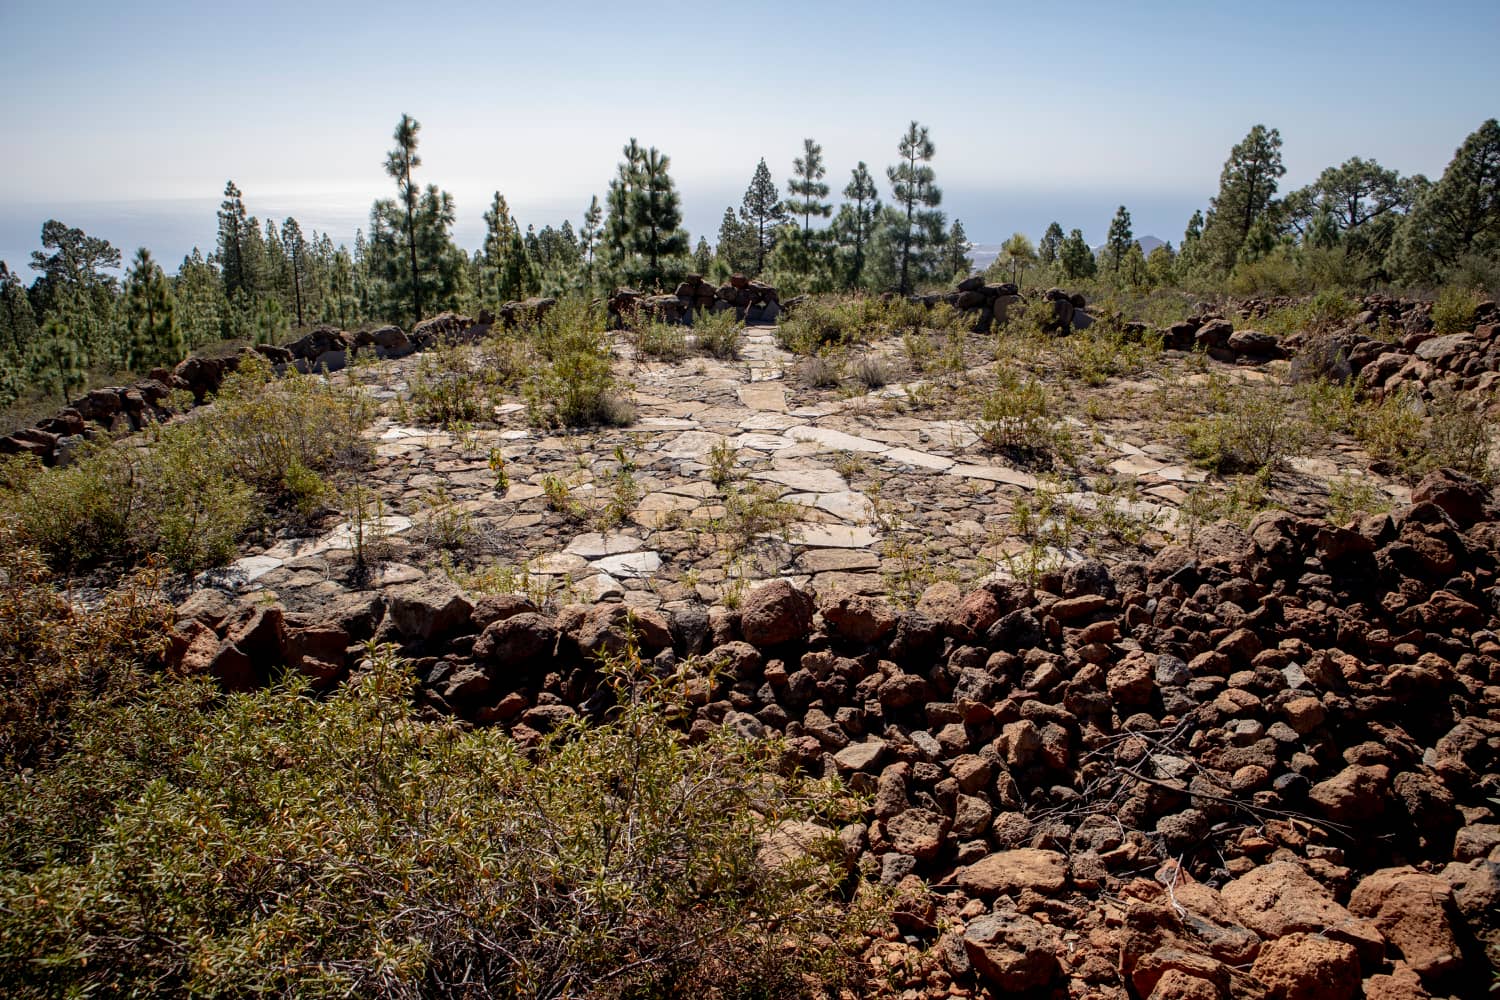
(233, 222)
(917, 224)
(1247, 192)
(762, 212)
(20, 321)
(1076, 258)
(399, 164)
(201, 305)
(618, 201)
(807, 187)
(588, 236)
(298, 265)
(956, 260)
(497, 243)
(1161, 266)
(1459, 216)
(656, 219)
(153, 336)
(440, 272)
(1132, 268)
(1118, 242)
(1051, 241)
(1190, 255)
(60, 362)
(733, 247)
(857, 218)
(1016, 254)
(703, 256)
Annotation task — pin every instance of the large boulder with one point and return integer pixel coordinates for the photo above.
(774, 614)
(1279, 898)
(428, 609)
(1411, 909)
(1011, 952)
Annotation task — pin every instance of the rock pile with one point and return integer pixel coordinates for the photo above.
(752, 302)
(1264, 766)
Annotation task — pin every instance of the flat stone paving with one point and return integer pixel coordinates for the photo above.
(879, 500)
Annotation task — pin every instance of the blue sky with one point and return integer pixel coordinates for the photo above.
(128, 121)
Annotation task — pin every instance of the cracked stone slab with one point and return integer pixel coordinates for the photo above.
(995, 474)
(763, 396)
(832, 440)
(805, 480)
(593, 545)
(919, 459)
(833, 536)
(631, 565)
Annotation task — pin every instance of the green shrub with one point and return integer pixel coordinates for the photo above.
(1015, 418)
(1249, 429)
(277, 844)
(1450, 431)
(1098, 354)
(1453, 311)
(58, 658)
(190, 491)
(447, 389)
(1320, 314)
(718, 334)
(661, 340)
(574, 385)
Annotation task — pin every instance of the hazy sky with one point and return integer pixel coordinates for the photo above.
(126, 119)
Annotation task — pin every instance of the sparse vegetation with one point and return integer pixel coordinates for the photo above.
(192, 493)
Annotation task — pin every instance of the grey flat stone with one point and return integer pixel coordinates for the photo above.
(631, 565)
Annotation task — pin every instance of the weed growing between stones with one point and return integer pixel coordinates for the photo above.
(1015, 420)
(723, 464)
(1349, 497)
(1248, 429)
(718, 334)
(448, 389)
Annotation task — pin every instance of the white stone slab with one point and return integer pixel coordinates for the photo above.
(833, 536)
(920, 459)
(593, 545)
(995, 474)
(631, 565)
(832, 440)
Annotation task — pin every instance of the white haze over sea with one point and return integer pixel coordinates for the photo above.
(171, 227)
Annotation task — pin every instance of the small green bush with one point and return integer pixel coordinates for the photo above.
(448, 389)
(1416, 437)
(1015, 418)
(277, 844)
(574, 384)
(661, 341)
(1453, 311)
(190, 489)
(718, 334)
(1249, 429)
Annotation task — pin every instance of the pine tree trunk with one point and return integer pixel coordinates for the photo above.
(411, 242)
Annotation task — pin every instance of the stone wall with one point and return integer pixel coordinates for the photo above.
(751, 301)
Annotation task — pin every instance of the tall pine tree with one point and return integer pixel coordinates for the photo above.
(807, 187)
(762, 212)
(856, 221)
(1117, 243)
(399, 164)
(1247, 193)
(1051, 242)
(1459, 216)
(153, 336)
(917, 225)
(658, 239)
